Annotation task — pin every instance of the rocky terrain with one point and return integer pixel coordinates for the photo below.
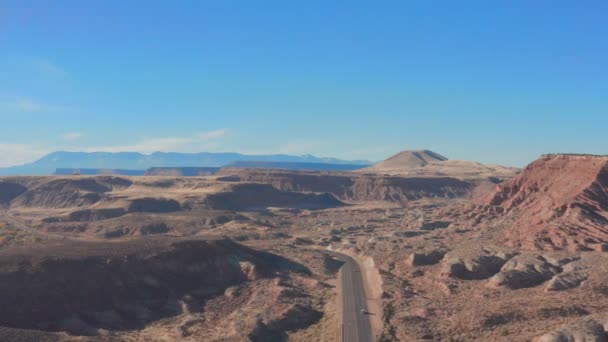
(559, 202)
(355, 187)
(160, 287)
(239, 255)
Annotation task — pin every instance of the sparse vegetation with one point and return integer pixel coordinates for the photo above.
(502, 319)
(566, 311)
(388, 332)
(436, 279)
(11, 236)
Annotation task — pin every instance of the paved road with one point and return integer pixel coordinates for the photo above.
(356, 326)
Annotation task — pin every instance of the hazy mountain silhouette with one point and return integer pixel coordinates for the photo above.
(139, 161)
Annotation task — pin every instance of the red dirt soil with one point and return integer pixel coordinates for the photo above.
(558, 202)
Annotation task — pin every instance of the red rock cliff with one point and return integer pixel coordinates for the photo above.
(557, 202)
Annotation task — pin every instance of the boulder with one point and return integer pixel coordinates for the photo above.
(424, 259)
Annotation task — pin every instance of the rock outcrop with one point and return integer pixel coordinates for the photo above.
(566, 281)
(480, 263)
(525, 270)
(557, 202)
(424, 259)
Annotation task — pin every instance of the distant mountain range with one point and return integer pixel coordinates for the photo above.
(96, 172)
(138, 161)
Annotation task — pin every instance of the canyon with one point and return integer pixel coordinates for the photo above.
(448, 251)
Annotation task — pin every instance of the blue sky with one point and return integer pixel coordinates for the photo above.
(492, 81)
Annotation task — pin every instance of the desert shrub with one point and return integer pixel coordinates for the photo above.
(567, 311)
(501, 319)
(388, 333)
(602, 289)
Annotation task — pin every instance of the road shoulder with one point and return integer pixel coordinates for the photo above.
(372, 284)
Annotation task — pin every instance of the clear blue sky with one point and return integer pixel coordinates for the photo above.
(493, 81)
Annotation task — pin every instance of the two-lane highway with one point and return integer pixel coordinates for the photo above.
(356, 326)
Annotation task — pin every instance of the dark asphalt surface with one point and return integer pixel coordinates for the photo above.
(356, 325)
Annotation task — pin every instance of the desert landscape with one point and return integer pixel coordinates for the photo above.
(303, 171)
(443, 250)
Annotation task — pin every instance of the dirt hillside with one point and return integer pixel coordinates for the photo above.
(350, 186)
(409, 159)
(163, 287)
(558, 202)
(425, 163)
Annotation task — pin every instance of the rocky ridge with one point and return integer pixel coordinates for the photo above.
(558, 202)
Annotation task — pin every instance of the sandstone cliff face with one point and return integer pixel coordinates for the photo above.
(558, 202)
(354, 187)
